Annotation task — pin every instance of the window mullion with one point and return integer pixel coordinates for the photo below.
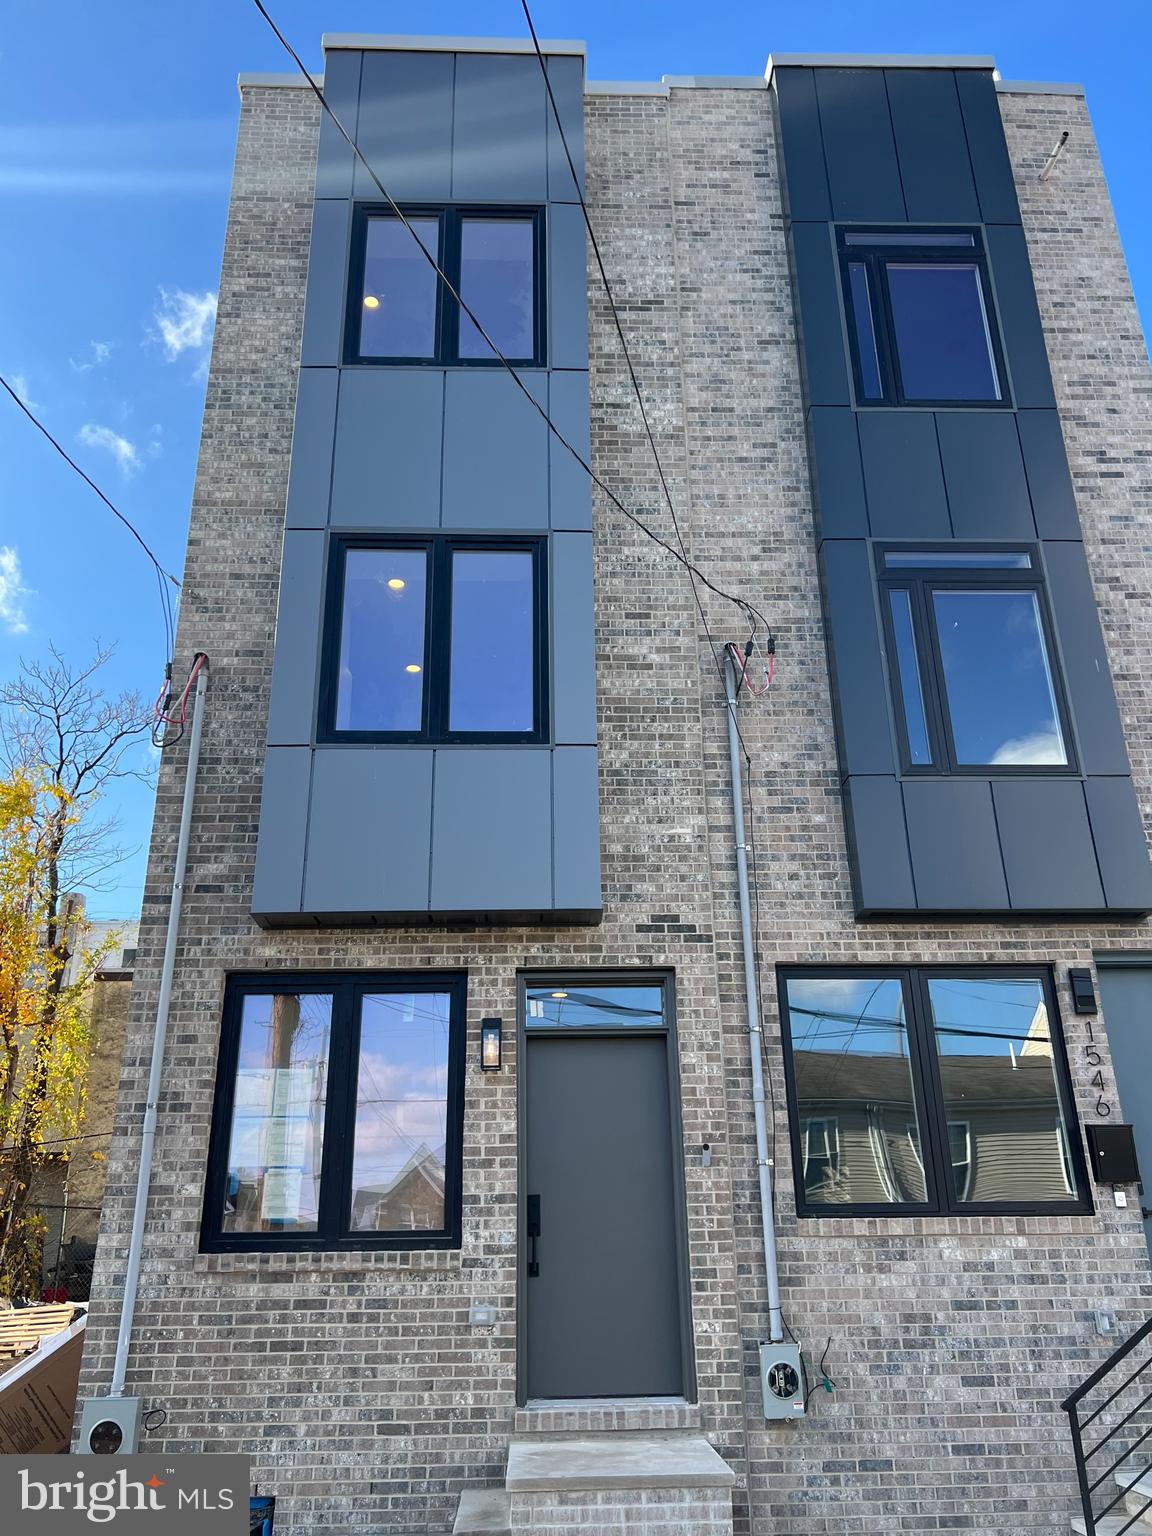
(937, 683)
(340, 1092)
(885, 329)
(934, 1132)
(450, 265)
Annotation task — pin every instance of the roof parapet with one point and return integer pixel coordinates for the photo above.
(370, 41)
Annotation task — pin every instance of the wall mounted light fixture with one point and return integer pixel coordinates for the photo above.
(491, 1035)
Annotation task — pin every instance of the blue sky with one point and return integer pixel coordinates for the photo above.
(116, 137)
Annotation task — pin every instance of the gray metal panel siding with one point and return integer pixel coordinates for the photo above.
(495, 451)
(837, 473)
(386, 466)
(956, 860)
(492, 830)
(567, 286)
(406, 125)
(1049, 478)
(881, 865)
(1121, 844)
(859, 689)
(1046, 841)
(1093, 699)
(576, 829)
(335, 160)
(566, 77)
(322, 344)
(984, 473)
(903, 478)
(931, 147)
(804, 179)
(987, 148)
(310, 477)
(369, 830)
(573, 640)
(823, 349)
(570, 489)
(279, 875)
(295, 664)
(859, 147)
(1019, 316)
(500, 142)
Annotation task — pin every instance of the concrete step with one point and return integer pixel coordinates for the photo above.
(484, 1512)
(569, 1464)
(606, 1415)
(1111, 1525)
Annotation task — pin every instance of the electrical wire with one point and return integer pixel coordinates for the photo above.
(168, 728)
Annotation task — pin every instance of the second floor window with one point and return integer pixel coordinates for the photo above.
(437, 639)
(400, 311)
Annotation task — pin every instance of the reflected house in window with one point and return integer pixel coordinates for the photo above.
(411, 1202)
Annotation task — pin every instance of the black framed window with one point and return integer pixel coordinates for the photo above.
(929, 1090)
(972, 661)
(920, 318)
(400, 312)
(338, 1115)
(435, 639)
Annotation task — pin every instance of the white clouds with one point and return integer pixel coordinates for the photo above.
(124, 452)
(12, 592)
(184, 321)
(19, 383)
(1040, 749)
(99, 356)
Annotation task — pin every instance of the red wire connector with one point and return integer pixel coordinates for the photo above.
(742, 658)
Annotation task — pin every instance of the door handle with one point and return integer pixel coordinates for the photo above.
(533, 1231)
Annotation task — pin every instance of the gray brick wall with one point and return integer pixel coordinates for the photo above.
(354, 1379)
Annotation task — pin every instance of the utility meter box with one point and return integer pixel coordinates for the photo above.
(783, 1381)
(109, 1426)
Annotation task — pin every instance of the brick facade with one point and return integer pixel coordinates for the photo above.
(355, 1380)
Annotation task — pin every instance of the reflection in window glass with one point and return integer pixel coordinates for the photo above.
(492, 679)
(277, 1133)
(1006, 1129)
(399, 1144)
(942, 342)
(496, 283)
(398, 305)
(911, 688)
(862, 318)
(593, 1005)
(969, 559)
(853, 1078)
(1000, 696)
(897, 237)
(381, 676)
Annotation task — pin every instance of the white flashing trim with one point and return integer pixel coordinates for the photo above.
(878, 61)
(1039, 88)
(369, 41)
(277, 82)
(625, 88)
(716, 82)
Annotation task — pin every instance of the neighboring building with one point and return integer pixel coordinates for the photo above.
(465, 759)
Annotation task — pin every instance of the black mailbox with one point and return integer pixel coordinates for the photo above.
(1112, 1151)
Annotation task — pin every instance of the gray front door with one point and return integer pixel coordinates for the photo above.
(601, 1307)
(1126, 998)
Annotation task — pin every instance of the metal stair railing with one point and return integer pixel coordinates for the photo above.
(1088, 1471)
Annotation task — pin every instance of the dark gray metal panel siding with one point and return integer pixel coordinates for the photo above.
(859, 148)
(1019, 316)
(987, 148)
(1121, 844)
(903, 479)
(567, 287)
(495, 451)
(805, 182)
(1049, 857)
(569, 485)
(406, 125)
(310, 477)
(335, 160)
(295, 665)
(386, 467)
(573, 640)
(984, 474)
(492, 830)
(823, 354)
(859, 689)
(881, 865)
(932, 150)
(566, 76)
(369, 830)
(500, 143)
(1049, 478)
(322, 344)
(279, 874)
(956, 859)
(837, 474)
(1086, 671)
(576, 834)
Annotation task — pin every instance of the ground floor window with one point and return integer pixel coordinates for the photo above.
(929, 1089)
(338, 1114)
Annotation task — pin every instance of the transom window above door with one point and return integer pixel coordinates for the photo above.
(400, 311)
